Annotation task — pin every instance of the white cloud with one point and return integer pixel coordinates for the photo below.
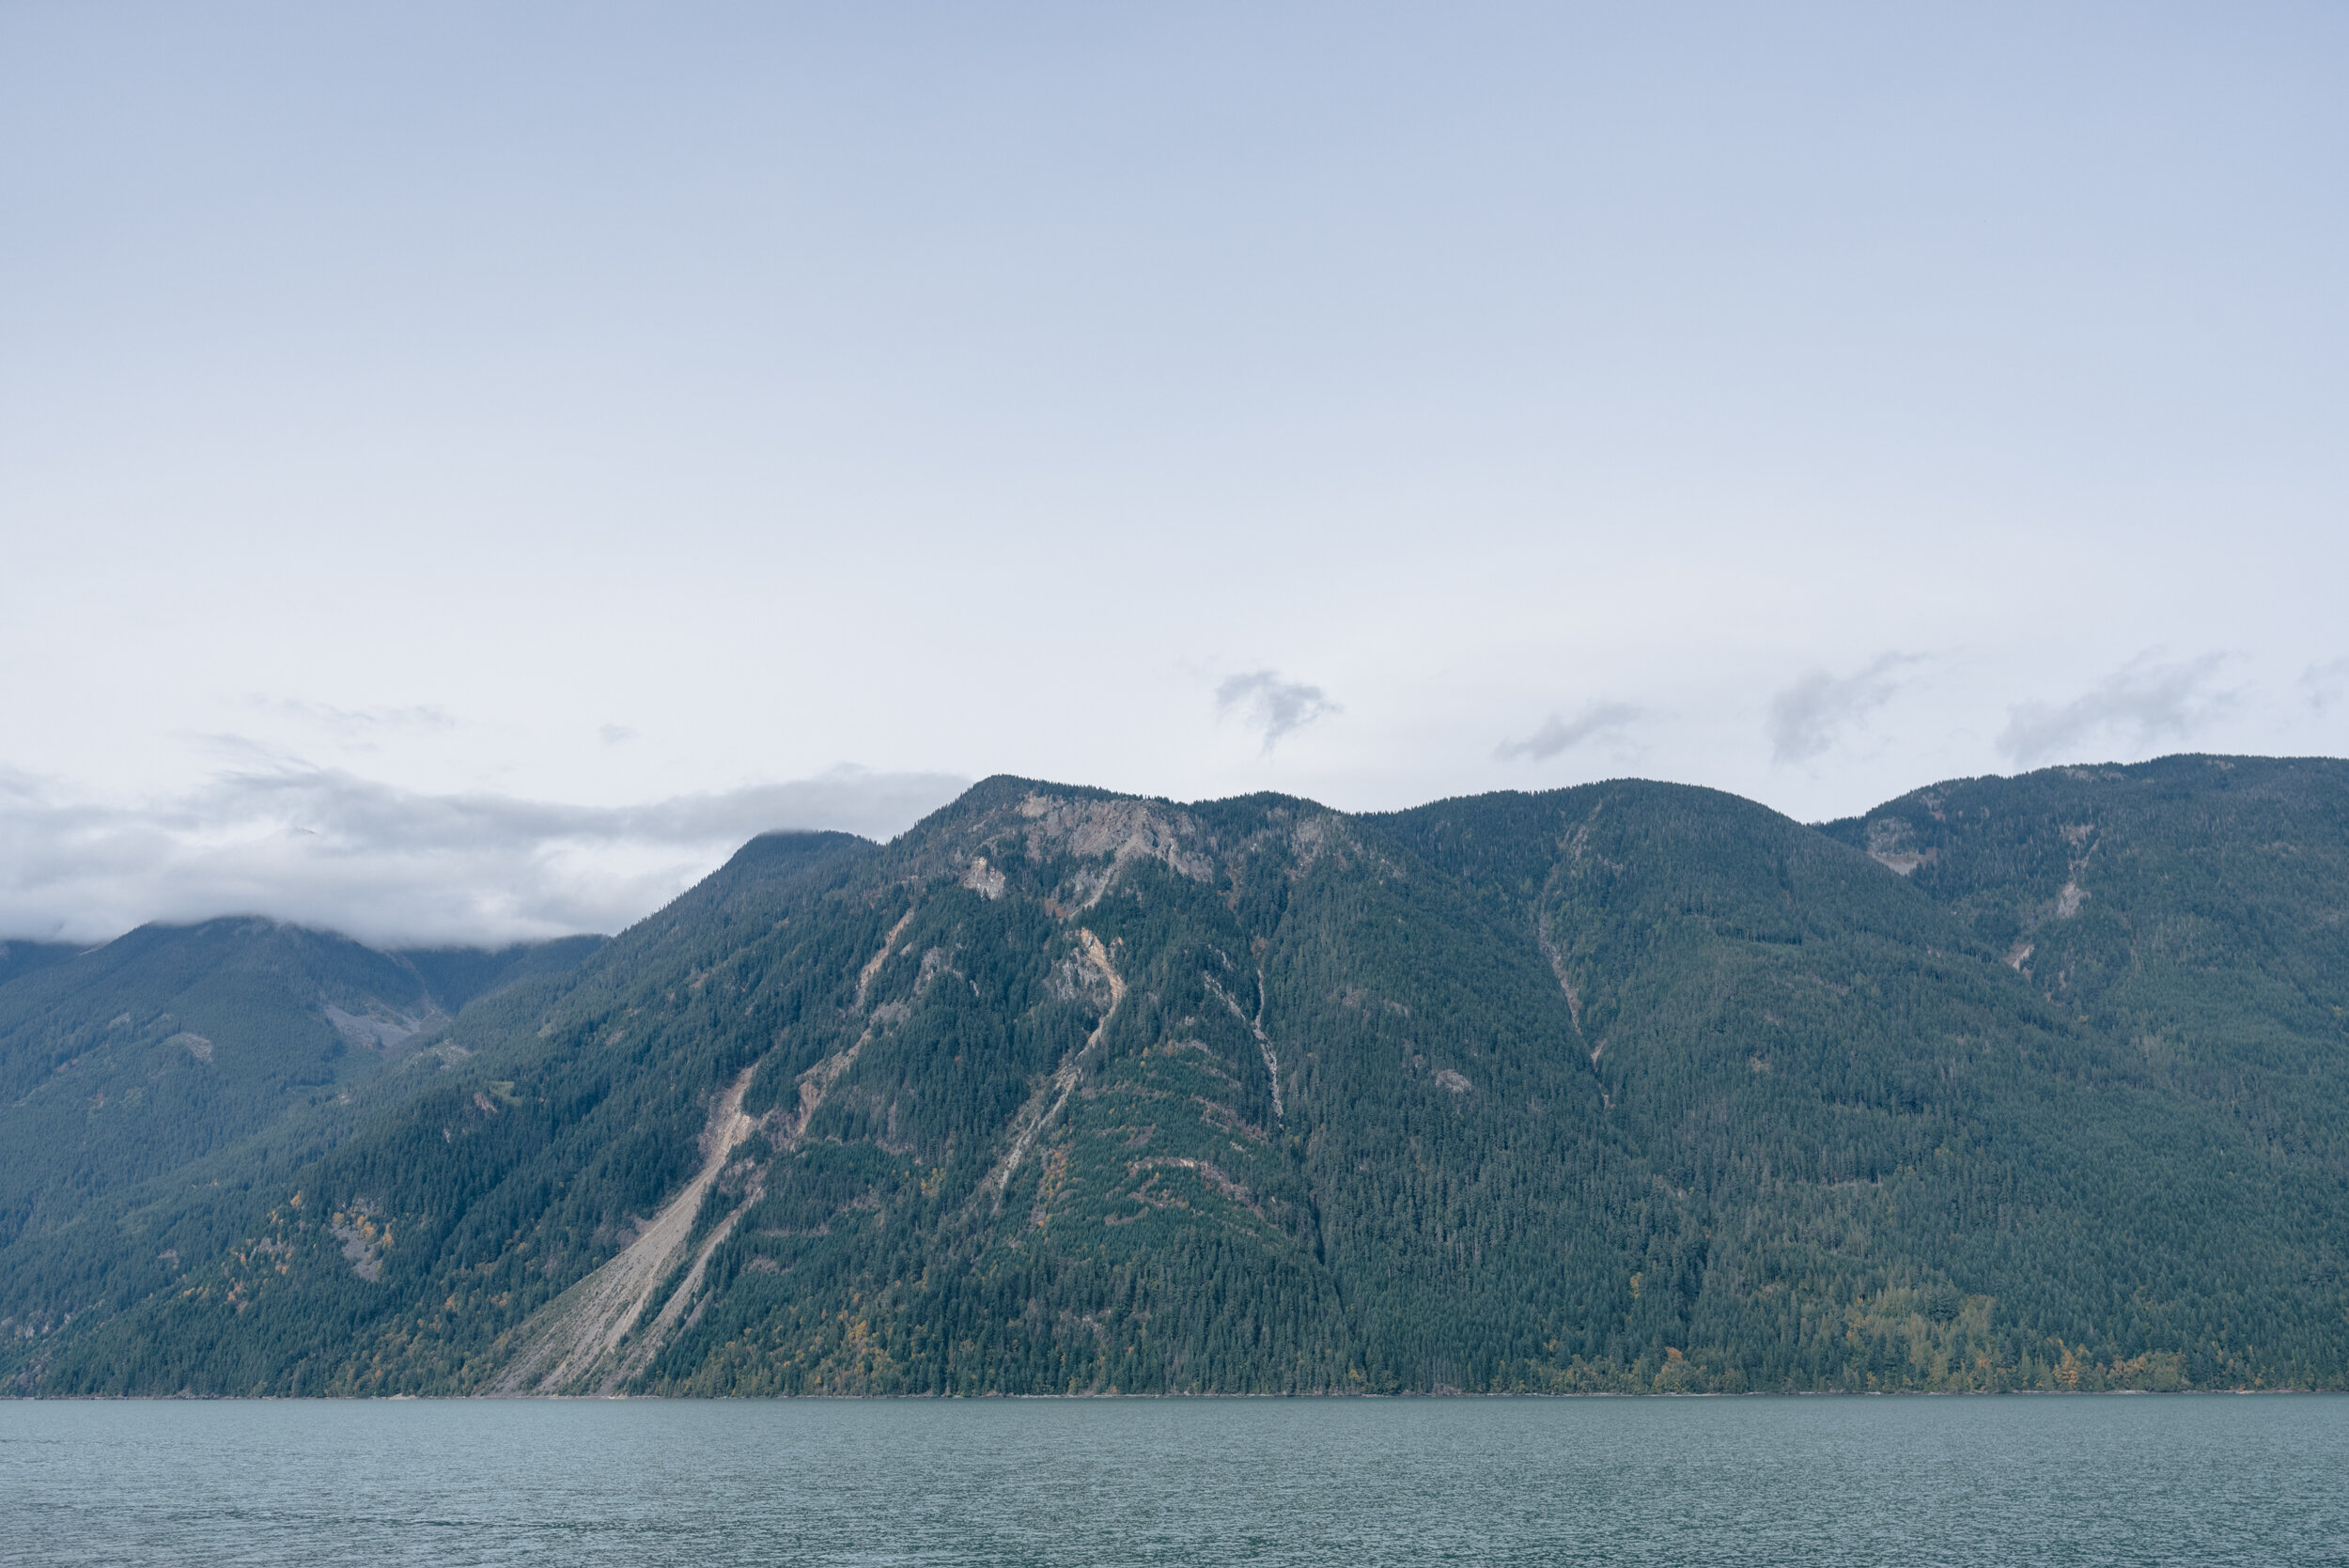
(1807, 717)
(2326, 684)
(1276, 706)
(2146, 701)
(325, 848)
(1559, 735)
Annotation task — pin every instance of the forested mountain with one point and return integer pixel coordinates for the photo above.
(2195, 909)
(23, 957)
(454, 976)
(2028, 1082)
(133, 1059)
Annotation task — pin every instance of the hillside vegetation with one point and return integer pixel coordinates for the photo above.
(2028, 1082)
(135, 1059)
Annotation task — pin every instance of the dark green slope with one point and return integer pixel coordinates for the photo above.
(454, 977)
(18, 958)
(1432, 1203)
(149, 1060)
(1872, 1111)
(1422, 1196)
(304, 1268)
(173, 1041)
(2194, 909)
(1634, 1086)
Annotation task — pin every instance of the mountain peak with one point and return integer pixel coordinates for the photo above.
(1627, 1086)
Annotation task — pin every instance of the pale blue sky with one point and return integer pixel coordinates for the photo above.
(422, 410)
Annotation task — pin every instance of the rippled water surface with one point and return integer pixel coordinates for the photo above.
(2004, 1481)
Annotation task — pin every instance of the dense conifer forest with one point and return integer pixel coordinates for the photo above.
(2011, 1083)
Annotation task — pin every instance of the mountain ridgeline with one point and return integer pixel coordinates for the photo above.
(2033, 1082)
(135, 1059)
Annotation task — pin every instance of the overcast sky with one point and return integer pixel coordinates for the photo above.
(464, 467)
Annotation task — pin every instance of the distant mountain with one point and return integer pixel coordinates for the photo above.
(133, 1059)
(2028, 1082)
(23, 957)
(454, 976)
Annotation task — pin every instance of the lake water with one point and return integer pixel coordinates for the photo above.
(2185, 1480)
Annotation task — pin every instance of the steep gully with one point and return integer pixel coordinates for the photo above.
(586, 1340)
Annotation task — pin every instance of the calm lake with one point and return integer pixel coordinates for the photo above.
(2198, 1480)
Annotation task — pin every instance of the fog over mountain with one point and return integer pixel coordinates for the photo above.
(396, 867)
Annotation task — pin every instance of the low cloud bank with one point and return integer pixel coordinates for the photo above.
(2148, 702)
(324, 847)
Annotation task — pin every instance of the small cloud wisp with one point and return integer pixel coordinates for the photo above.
(1807, 717)
(1560, 734)
(1276, 706)
(2326, 684)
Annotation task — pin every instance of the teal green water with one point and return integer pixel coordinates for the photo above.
(2185, 1480)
